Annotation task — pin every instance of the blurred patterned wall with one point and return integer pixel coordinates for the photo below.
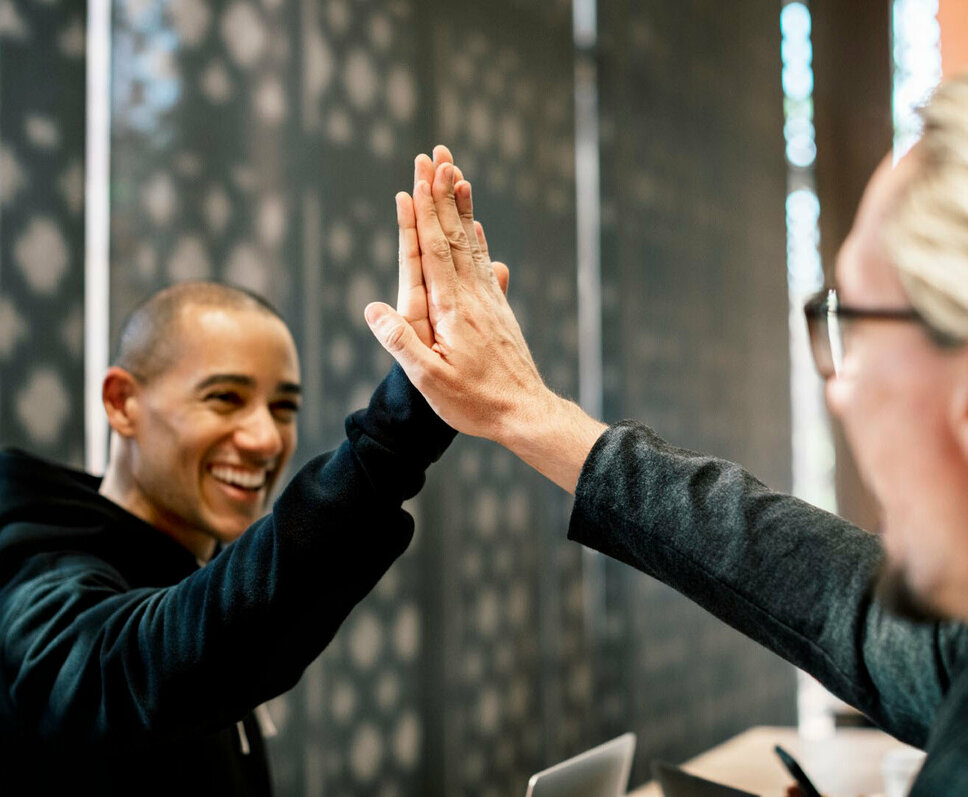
(695, 332)
(261, 142)
(42, 228)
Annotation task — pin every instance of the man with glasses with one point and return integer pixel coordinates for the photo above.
(890, 340)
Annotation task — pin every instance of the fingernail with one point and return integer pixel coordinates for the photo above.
(447, 171)
(424, 187)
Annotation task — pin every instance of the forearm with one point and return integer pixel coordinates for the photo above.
(787, 574)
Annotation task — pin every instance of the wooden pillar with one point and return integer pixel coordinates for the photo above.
(854, 128)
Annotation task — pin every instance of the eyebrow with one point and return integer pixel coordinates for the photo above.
(245, 381)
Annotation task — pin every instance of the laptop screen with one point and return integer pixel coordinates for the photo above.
(602, 771)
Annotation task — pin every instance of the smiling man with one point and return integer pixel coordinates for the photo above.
(220, 413)
(131, 658)
(891, 339)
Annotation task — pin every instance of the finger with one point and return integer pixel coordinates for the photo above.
(399, 339)
(465, 209)
(408, 259)
(502, 274)
(412, 292)
(450, 220)
(481, 238)
(423, 169)
(439, 271)
(442, 155)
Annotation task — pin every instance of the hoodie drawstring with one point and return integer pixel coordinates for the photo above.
(243, 739)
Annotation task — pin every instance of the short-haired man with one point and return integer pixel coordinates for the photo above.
(131, 659)
(891, 342)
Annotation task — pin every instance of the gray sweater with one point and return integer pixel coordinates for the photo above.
(791, 576)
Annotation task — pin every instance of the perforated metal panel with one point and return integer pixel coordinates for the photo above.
(42, 228)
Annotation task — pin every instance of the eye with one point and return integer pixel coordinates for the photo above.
(284, 409)
(224, 399)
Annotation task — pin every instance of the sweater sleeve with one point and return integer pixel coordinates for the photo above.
(790, 576)
(85, 657)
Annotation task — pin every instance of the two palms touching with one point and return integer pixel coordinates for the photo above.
(453, 331)
(412, 297)
(456, 337)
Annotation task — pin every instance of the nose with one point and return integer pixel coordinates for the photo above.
(259, 434)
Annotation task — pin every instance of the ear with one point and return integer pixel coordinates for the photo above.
(119, 392)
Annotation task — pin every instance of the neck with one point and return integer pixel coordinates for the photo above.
(119, 486)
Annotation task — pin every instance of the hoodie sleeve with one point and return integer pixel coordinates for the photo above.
(791, 576)
(84, 657)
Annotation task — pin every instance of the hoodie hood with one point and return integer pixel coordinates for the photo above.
(46, 507)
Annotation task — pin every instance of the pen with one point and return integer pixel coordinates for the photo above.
(808, 789)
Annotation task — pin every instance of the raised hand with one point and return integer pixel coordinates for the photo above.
(412, 293)
(478, 373)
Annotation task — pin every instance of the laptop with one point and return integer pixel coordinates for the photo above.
(678, 783)
(602, 771)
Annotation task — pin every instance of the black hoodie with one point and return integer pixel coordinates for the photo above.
(125, 669)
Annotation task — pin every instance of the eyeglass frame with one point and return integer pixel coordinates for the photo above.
(827, 346)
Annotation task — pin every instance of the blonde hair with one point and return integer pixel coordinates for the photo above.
(926, 234)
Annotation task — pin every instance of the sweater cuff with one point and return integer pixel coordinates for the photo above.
(401, 421)
(594, 489)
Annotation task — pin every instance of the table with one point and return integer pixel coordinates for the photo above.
(846, 764)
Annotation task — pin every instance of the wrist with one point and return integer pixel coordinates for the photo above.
(552, 435)
(521, 426)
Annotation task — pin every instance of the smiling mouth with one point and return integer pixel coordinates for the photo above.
(240, 478)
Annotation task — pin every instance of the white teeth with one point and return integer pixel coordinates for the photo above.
(239, 477)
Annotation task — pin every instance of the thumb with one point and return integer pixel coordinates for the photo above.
(397, 337)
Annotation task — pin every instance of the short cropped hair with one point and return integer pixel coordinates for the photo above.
(926, 233)
(148, 343)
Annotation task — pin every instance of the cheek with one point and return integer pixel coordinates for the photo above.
(837, 394)
(893, 423)
(289, 437)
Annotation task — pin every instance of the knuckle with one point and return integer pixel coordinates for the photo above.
(440, 248)
(458, 240)
(395, 338)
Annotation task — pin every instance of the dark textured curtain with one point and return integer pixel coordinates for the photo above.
(261, 142)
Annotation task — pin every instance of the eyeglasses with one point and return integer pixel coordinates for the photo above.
(829, 322)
